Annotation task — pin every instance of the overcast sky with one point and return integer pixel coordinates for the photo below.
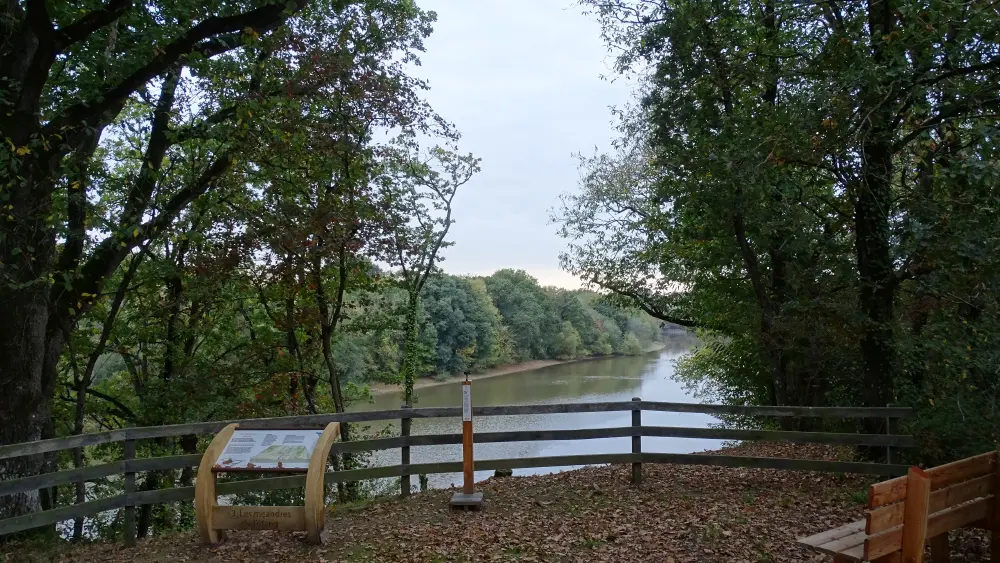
(521, 79)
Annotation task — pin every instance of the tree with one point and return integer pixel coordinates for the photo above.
(525, 309)
(566, 345)
(427, 186)
(631, 345)
(790, 160)
(67, 75)
(461, 324)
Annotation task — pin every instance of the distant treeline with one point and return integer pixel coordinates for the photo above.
(477, 323)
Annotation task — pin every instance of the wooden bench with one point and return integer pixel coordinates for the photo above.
(903, 514)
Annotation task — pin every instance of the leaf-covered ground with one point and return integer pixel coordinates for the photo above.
(679, 514)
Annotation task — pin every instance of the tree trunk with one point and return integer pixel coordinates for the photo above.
(876, 277)
(409, 367)
(871, 223)
(24, 409)
(81, 487)
(145, 520)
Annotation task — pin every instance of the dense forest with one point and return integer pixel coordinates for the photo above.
(258, 368)
(815, 187)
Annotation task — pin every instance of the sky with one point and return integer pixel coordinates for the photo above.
(522, 81)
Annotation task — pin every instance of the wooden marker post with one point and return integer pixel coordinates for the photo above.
(301, 450)
(468, 473)
(468, 498)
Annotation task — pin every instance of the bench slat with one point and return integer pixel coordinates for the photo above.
(834, 534)
(856, 553)
(894, 490)
(886, 517)
(938, 523)
(845, 543)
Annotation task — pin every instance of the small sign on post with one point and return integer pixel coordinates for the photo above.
(266, 450)
(468, 498)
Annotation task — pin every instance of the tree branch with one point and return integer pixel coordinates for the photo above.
(950, 110)
(195, 40)
(112, 250)
(89, 23)
(123, 410)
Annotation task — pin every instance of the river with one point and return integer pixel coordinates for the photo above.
(649, 377)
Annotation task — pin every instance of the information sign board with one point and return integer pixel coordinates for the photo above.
(269, 450)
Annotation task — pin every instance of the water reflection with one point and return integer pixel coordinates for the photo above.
(614, 379)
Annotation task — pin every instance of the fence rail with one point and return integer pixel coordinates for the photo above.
(129, 466)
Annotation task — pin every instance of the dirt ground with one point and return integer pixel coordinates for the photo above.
(679, 514)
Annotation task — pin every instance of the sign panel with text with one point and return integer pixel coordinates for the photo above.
(466, 402)
(269, 450)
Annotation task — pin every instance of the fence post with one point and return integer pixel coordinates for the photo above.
(130, 532)
(404, 480)
(636, 442)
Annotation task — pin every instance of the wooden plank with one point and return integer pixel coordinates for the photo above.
(315, 420)
(890, 516)
(46, 480)
(854, 554)
(484, 437)
(314, 512)
(818, 412)
(47, 517)
(834, 534)
(261, 485)
(556, 461)
(160, 496)
(894, 490)
(780, 436)
(284, 518)
(560, 408)
(56, 444)
(545, 435)
(844, 544)
(915, 512)
(856, 467)
(95, 472)
(205, 492)
(164, 462)
(938, 523)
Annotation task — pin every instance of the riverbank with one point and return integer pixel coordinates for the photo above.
(680, 514)
(424, 382)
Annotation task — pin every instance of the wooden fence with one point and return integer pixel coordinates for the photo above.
(130, 465)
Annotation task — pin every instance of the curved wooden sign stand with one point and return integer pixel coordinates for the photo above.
(213, 520)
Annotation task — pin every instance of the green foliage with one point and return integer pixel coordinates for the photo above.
(567, 343)
(815, 188)
(525, 309)
(631, 345)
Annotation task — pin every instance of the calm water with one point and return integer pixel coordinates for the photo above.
(649, 377)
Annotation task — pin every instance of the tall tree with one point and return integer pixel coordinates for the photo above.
(427, 185)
